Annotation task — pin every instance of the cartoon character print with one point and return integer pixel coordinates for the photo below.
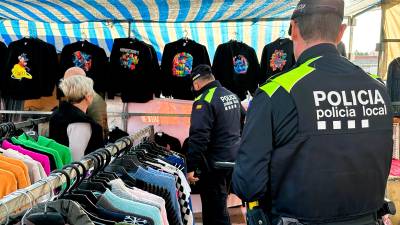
(182, 64)
(20, 70)
(129, 59)
(82, 60)
(240, 64)
(278, 60)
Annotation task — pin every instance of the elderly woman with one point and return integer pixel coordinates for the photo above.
(69, 124)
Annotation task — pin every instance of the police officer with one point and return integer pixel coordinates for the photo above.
(214, 136)
(317, 144)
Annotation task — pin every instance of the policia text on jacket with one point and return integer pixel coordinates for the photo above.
(343, 104)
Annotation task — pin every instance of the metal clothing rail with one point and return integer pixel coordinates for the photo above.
(6, 128)
(108, 113)
(28, 196)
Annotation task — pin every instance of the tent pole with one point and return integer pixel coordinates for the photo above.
(381, 44)
(129, 29)
(350, 55)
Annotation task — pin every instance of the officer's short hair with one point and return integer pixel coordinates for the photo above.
(207, 77)
(319, 26)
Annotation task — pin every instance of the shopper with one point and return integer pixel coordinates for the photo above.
(98, 109)
(317, 143)
(69, 124)
(214, 136)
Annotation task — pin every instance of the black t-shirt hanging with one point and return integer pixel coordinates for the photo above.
(31, 69)
(236, 66)
(179, 58)
(91, 58)
(3, 61)
(277, 57)
(135, 70)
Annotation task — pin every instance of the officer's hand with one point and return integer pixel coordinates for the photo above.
(191, 178)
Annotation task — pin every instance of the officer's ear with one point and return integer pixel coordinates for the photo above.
(342, 29)
(294, 30)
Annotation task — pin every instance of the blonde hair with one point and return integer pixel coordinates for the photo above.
(76, 88)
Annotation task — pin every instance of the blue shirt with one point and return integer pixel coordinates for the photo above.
(134, 207)
(153, 177)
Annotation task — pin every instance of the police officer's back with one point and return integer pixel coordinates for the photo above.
(214, 136)
(317, 143)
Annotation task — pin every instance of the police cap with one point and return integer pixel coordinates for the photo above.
(309, 7)
(199, 71)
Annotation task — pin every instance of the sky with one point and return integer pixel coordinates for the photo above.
(366, 32)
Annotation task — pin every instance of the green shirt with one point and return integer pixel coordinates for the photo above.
(22, 140)
(64, 151)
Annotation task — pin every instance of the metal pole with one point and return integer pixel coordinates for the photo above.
(129, 29)
(351, 38)
(382, 43)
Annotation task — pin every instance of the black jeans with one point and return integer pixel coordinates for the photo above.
(214, 190)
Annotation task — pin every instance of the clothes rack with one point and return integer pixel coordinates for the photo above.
(9, 127)
(26, 197)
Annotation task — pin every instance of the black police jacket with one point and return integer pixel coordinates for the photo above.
(317, 143)
(215, 127)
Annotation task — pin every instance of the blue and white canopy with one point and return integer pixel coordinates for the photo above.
(209, 22)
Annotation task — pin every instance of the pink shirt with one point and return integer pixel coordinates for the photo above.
(42, 159)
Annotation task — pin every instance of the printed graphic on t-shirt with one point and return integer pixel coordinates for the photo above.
(134, 220)
(182, 64)
(240, 64)
(278, 60)
(129, 58)
(82, 60)
(21, 69)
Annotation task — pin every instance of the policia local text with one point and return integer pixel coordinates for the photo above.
(341, 103)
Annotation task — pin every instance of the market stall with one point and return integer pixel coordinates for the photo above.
(66, 27)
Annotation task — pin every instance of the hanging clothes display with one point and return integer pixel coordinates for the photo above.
(167, 141)
(30, 70)
(91, 58)
(236, 66)
(135, 70)
(143, 185)
(28, 158)
(178, 60)
(393, 84)
(277, 57)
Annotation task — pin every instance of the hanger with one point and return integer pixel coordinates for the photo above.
(31, 133)
(68, 181)
(31, 200)
(282, 34)
(84, 38)
(122, 174)
(7, 130)
(78, 197)
(91, 183)
(104, 174)
(235, 36)
(7, 211)
(51, 217)
(185, 37)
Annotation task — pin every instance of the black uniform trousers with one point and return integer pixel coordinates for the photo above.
(214, 190)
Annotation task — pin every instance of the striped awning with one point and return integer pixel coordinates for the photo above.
(209, 22)
(211, 34)
(78, 11)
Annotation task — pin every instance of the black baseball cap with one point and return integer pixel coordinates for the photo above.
(309, 7)
(199, 71)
